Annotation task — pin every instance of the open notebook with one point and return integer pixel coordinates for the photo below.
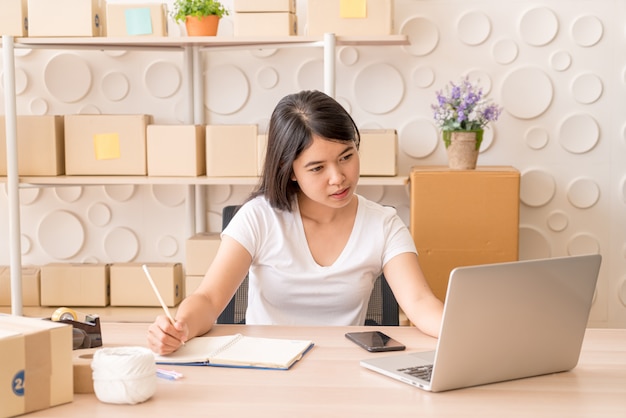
(239, 351)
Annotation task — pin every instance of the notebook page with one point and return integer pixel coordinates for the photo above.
(197, 349)
(262, 352)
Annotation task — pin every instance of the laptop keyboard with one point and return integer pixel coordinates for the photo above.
(420, 372)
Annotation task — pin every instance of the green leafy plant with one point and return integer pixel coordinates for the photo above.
(198, 8)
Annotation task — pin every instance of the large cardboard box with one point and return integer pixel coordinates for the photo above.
(30, 286)
(265, 24)
(176, 150)
(350, 18)
(462, 218)
(40, 145)
(14, 17)
(200, 252)
(106, 144)
(136, 19)
(131, 287)
(65, 18)
(35, 366)
(265, 6)
(379, 152)
(231, 150)
(192, 283)
(261, 151)
(74, 284)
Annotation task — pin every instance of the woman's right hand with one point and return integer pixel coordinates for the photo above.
(165, 337)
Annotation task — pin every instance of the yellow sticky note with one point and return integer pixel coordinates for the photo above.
(107, 146)
(353, 8)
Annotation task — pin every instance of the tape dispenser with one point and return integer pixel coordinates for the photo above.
(85, 334)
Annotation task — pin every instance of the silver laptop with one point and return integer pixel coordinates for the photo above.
(504, 321)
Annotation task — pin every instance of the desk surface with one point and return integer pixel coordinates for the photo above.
(329, 381)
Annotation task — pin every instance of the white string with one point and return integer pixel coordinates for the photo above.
(124, 375)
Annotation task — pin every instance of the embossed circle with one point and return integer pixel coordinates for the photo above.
(423, 77)
(67, 78)
(38, 106)
(348, 56)
(418, 138)
(169, 195)
(579, 133)
(537, 188)
(115, 86)
(310, 75)
(527, 93)
(538, 26)
(558, 221)
(587, 31)
(167, 246)
(537, 137)
(482, 79)
(583, 244)
(533, 244)
(26, 244)
(61, 234)
(583, 193)
(69, 194)
(120, 192)
(89, 109)
(162, 79)
(29, 196)
(560, 60)
(226, 90)
(121, 245)
(263, 52)
(423, 36)
(374, 96)
(99, 214)
(474, 28)
(220, 193)
(21, 81)
(587, 88)
(267, 77)
(505, 51)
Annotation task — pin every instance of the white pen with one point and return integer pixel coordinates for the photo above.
(158, 295)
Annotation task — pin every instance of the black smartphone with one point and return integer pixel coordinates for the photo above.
(375, 341)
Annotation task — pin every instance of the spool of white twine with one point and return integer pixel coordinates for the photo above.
(124, 375)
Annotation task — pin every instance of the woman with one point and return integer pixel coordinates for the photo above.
(312, 247)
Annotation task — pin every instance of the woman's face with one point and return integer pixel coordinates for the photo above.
(328, 172)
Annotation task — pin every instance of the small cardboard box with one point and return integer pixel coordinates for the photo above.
(30, 286)
(40, 146)
(231, 150)
(350, 18)
(200, 252)
(131, 287)
(36, 369)
(74, 284)
(265, 6)
(192, 283)
(106, 144)
(64, 18)
(14, 17)
(463, 217)
(261, 151)
(176, 150)
(265, 24)
(136, 19)
(379, 152)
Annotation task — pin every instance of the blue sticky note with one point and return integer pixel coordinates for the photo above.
(138, 21)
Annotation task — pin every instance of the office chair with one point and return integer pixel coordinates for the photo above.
(382, 309)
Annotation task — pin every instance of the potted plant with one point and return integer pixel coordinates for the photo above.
(462, 112)
(201, 17)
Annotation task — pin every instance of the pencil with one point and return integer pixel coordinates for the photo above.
(158, 295)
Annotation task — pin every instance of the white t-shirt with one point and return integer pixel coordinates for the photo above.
(287, 286)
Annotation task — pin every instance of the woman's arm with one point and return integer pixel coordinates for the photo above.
(199, 311)
(409, 286)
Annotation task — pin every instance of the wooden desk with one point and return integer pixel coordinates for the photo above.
(329, 382)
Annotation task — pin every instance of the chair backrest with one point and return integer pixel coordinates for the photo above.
(381, 311)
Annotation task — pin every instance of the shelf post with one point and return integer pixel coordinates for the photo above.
(15, 246)
(330, 41)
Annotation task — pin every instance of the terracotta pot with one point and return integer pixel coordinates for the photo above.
(463, 149)
(202, 26)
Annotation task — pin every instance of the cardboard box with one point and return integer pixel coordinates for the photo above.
(231, 150)
(64, 18)
(176, 150)
(192, 283)
(74, 284)
(40, 146)
(379, 152)
(30, 286)
(14, 17)
(463, 217)
(261, 151)
(35, 366)
(106, 144)
(265, 6)
(350, 18)
(130, 286)
(265, 24)
(200, 252)
(136, 19)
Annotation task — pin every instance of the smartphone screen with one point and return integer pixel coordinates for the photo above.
(375, 341)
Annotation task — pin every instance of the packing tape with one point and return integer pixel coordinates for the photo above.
(64, 313)
(83, 375)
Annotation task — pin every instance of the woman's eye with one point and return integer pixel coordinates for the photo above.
(316, 169)
(347, 157)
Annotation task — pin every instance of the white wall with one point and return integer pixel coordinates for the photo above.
(557, 66)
